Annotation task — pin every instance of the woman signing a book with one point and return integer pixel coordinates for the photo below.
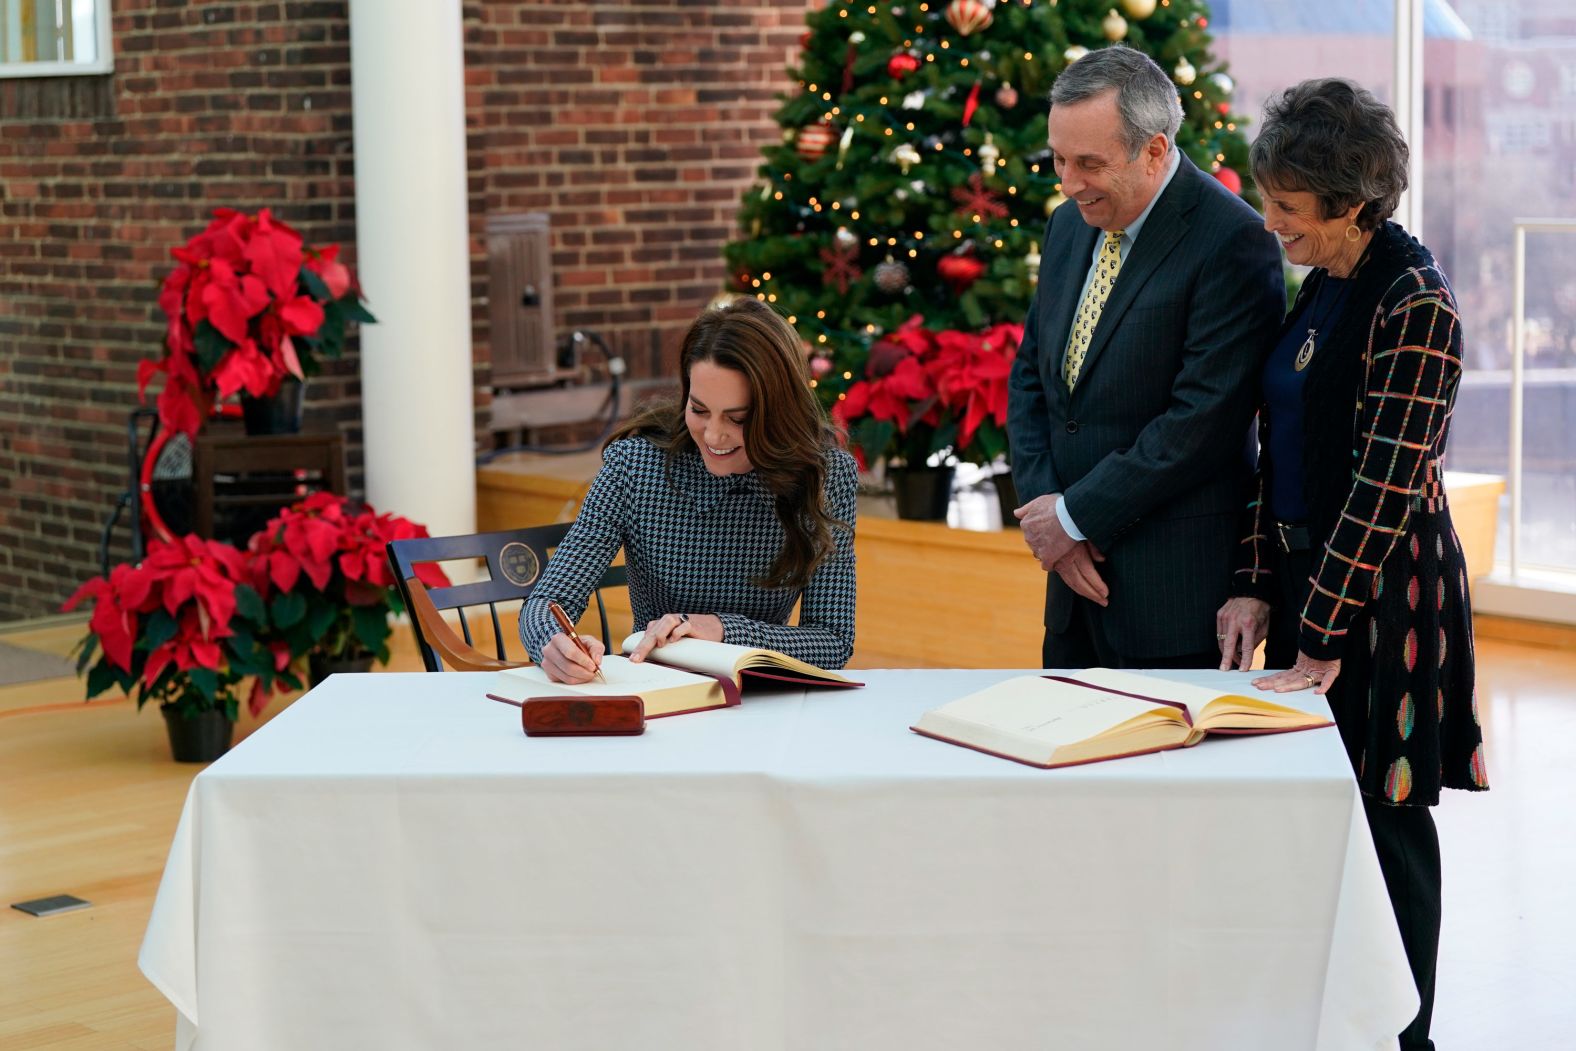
(1349, 564)
(731, 504)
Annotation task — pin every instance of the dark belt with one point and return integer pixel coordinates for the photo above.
(1290, 537)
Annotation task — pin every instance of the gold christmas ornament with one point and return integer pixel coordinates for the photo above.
(1114, 26)
(905, 156)
(989, 153)
(1138, 8)
(1184, 74)
(843, 144)
(1074, 53)
(966, 16)
(814, 140)
(1031, 263)
(1054, 201)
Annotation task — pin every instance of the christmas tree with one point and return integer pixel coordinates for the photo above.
(903, 211)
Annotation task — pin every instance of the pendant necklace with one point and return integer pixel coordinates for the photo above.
(1311, 344)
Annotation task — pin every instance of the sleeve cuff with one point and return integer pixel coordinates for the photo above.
(1321, 647)
(1065, 517)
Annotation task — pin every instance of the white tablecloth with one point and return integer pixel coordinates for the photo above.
(391, 864)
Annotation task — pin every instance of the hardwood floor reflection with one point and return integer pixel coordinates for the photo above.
(1508, 945)
(89, 800)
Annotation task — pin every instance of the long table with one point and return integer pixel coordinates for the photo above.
(390, 863)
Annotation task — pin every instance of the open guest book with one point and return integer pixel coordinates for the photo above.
(689, 675)
(1056, 720)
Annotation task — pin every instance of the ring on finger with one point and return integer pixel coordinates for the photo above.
(684, 618)
(1311, 680)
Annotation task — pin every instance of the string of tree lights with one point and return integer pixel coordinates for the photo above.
(913, 176)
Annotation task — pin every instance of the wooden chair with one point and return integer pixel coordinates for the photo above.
(515, 560)
(241, 481)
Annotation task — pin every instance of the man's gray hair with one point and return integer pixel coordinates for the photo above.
(1145, 96)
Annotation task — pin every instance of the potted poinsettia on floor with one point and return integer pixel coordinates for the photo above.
(183, 628)
(320, 566)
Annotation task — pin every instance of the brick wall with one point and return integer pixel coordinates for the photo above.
(239, 104)
(635, 126)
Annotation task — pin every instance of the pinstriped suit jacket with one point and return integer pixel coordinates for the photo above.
(1150, 450)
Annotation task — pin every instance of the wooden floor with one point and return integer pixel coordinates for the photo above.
(89, 800)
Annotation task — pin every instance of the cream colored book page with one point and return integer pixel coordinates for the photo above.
(623, 677)
(708, 658)
(1032, 709)
(1207, 707)
(1195, 697)
(725, 659)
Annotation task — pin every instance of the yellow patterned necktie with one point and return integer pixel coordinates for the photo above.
(1105, 270)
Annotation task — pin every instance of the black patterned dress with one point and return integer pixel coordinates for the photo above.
(1383, 586)
(695, 542)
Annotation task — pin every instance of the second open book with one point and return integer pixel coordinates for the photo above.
(689, 675)
(1051, 720)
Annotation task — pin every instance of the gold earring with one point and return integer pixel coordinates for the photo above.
(1353, 232)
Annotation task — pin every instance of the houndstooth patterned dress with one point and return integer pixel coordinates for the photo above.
(693, 543)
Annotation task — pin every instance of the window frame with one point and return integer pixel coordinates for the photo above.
(102, 65)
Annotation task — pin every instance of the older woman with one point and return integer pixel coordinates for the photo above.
(1348, 564)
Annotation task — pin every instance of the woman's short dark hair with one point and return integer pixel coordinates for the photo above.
(1333, 139)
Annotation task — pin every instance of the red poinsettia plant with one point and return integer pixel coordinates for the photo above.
(184, 628)
(322, 569)
(249, 305)
(927, 392)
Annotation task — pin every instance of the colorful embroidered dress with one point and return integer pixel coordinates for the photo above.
(1387, 587)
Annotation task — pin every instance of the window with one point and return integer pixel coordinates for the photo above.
(1273, 44)
(52, 38)
(1511, 158)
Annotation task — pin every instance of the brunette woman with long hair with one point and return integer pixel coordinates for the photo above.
(732, 502)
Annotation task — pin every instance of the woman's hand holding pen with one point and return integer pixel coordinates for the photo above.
(564, 661)
(677, 626)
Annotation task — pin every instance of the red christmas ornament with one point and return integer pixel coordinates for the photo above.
(841, 270)
(968, 15)
(1006, 96)
(804, 40)
(972, 104)
(820, 367)
(1203, 23)
(977, 199)
(901, 65)
(814, 139)
(1224, 107)
(1230, 180)
(959, 272)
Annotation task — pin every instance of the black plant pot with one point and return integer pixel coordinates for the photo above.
(279, 414)
(922, 492)
(320, 667)
(1007, 497)
(200, 738)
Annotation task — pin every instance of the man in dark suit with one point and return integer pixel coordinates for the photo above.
(1159, 295)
